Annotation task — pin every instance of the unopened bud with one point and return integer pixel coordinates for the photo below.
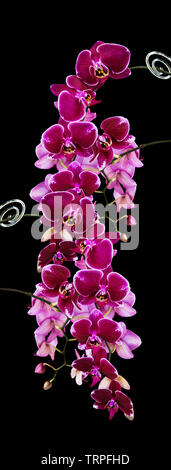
(124, 237)
(47, 385)
(40, 368)
(131, 220)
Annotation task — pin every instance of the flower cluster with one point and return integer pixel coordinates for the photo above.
(79, 291)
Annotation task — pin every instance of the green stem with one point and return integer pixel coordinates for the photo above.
(29, 294)
(66, 321)
(140, 67)
(110, 351)
(55, 374)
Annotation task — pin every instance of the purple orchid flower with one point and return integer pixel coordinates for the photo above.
(46, 347)
(43, 311)
(121, 182)
(53, 276)
(74, 98)
(55, 284)
(94, 330)
(78, 182)
(93, 288)
(115, 137)
(96, 365)
(58, 251)
(77, 139)
(50, 326)
(103, 60)
(112, 399)
(75, 177)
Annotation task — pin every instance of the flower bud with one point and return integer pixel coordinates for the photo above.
(40, 368)
(124, 237)
(47, 385)
(131, 220)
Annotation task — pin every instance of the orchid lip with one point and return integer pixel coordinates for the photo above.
(58, 257)
(105, 141)
(102, 295)
(66, 289)
(68, 149)
(100, 72)
(69, 220)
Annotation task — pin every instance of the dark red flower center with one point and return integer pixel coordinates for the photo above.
(100, 72)
(68, 149)
(58, 257)
(102, 295)
(66, 289)
(88, 97)
(69, 220)
(83, 245)
(105, 141)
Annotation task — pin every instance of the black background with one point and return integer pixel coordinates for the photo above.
(62, 421)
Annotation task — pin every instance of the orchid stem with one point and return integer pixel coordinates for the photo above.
(49, 365)
(29, 294)
(110, 351)
(141, 67)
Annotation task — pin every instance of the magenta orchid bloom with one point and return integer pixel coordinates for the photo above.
(112, 399)
(75, 177)
(103, 60)
(95, 366)
(74, 98)
(77, 182)
(53, 276)
(58, 251)
(95, 330)
(88, 284)
(78, 139)
(115, 137)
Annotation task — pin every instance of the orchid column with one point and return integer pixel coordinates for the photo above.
(82, 310)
